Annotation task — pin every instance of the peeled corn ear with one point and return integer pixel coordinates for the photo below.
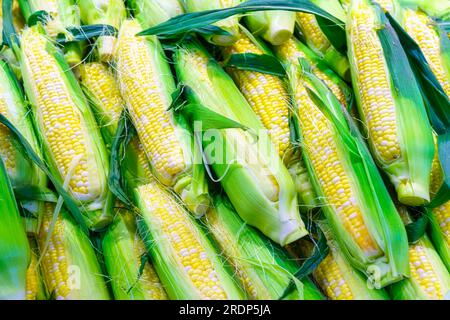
(72, 143)
(110, 12)
(390, 103)
(14, 248)
(186, 262)
(35, 284)
(132, 275)
(264, 269)
(252, 174)
(69, 263)
(231, 25)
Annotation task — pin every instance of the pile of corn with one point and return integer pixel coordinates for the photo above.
(234, 176)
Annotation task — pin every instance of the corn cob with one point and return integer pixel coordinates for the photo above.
(69, 264)
(429, 279)
(258, 182)
(390, 106)
(263, 269)
(292, 50)
(35, 286)
(150, 12)
(14, 248)
(111, 12)
(356, 203)
(269, 99)
(185, 261)
(123, 250)
(73, 146)
(21, 171)
(424, 31)
(231, 25)
(146, 84)
(63, 14)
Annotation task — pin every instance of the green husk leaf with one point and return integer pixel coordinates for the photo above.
(28, 150)
(262, 63)
(177, 99)
(9, 35)
(192, 21)
(436, 102)
(116, 180)
(417, 229)
(87, 32)
(40, 16)
(35, 193)
(334, 33)
(320, 252)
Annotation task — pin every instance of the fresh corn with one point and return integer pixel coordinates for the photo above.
(263, 268)
(14, 248)
(62, 14)
(362, 217)
(72, 143)
(21, 171)
(252, 174)
(68, 260)
(153, 12)
(146, 84)
(390, 105)
(430, 280)
(132, 277)
(35, 286)
(230, 25)
(183, 257)
(110, 12)
(269, 99)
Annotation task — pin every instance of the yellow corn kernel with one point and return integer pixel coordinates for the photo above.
(288, 51)
(147, 104)
(423, 272)
(63, 126)
(176, 226)
(330, 278)
(97, 78)
(311, 30)
(319, 144)
(420, 27)
(377, 101)
(32, 278)
(54, 261)
(266, 95)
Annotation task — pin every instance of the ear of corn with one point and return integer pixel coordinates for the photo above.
(362, 217)
(131, 277)
(263, 268)
(390, 104)
(69, 265)
(425, 32)
(151, 13)
(269, 99)
(21, 171)
(429, 278)
(231, 25)
(72, 144)
(111, 12)
(275, 27)
(35, 285)
(14, 248)
(262, 191)
(183, 257)
(62, 15)
(146, 84)
(292, 50)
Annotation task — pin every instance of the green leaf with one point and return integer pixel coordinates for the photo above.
(35, 193)
(40, 16)
(262, 63)
(334, 33)
(177, 99)
(87, 32)
(417, 229)
(193, 21)
(320, 252)
(116, 180)
(9, 35)
(29, 152)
